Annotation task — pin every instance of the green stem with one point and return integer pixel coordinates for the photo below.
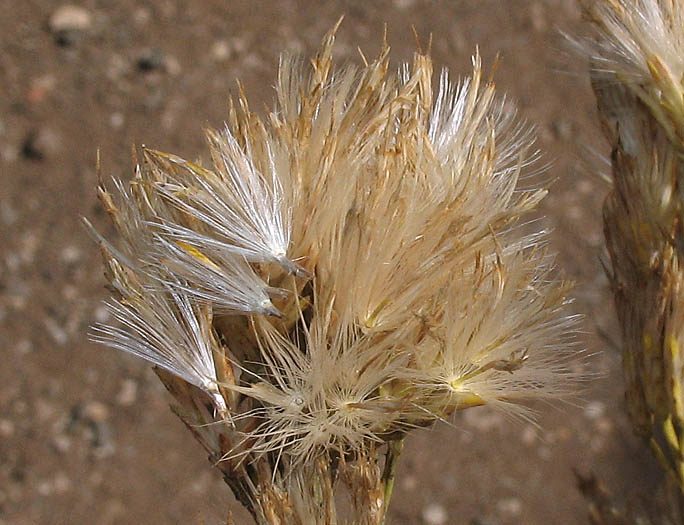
(394, 449)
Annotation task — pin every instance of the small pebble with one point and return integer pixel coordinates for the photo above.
(92, 376)
(434, 514)
(404, 4)
(155, 99)
(70, 254)
(61, 483)
(574, 212)
(23, 347)
(102, 314)
(238, 44)
(168, 119)
(20, 407)
(68, 23)
(28, 247)
(117, 67)
(56, 332)
(142, 16)
(104, 441)
(253, 61)
(6, 428)
(40, 144)
(409, 482)
(8, 213)
(62, 443)
(201, 484)
(44, 410)
(9, 153)
(18, 296)
(172, 66)
(58, 485)
(151, 60)
(114, 511)
(128, 393)
(510, 507)
(116, 120)
(44, 488)
(537, 17)
(220, 51)
(484, 520)
(40, 87)
(562, 129)
(586, 187)
(95, 411)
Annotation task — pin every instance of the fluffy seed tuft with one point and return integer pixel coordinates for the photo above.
(348, 268)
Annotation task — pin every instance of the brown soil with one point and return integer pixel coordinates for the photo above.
(85, 433)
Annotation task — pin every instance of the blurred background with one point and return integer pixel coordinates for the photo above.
(86, 435)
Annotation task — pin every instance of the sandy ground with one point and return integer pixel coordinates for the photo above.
(85, 432)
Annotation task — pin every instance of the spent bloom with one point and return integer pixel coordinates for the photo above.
(637, 57)
(346, 268)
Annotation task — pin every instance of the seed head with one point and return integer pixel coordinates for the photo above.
(347, 268)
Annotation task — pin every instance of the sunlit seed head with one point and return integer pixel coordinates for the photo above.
(361, 253)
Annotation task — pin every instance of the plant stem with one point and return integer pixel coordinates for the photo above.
(394, 449)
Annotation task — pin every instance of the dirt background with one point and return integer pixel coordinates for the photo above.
(85, 432)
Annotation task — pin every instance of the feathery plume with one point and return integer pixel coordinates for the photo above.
(347, 269)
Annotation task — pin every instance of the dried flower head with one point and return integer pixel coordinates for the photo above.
(347, 269)
(638, 69)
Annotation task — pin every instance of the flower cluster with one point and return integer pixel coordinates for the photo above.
(347, 268)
